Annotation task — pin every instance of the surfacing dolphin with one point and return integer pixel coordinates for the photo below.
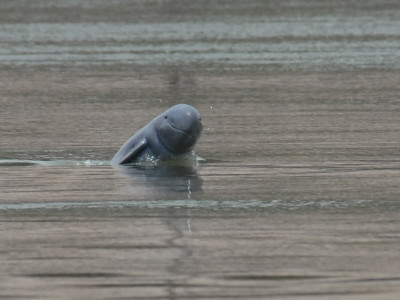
(173, 133)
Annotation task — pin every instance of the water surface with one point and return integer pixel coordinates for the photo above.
(297, 192)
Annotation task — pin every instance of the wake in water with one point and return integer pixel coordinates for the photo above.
(189, 159)
(193, 203)
(55, 163)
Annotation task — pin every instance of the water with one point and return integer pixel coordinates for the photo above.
(296, 195)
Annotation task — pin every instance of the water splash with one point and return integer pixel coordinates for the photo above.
(187, 159)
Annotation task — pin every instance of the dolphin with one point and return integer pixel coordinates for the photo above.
(173, 133)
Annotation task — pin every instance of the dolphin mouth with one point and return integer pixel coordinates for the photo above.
(179, 129)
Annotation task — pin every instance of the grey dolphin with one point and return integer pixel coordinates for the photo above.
(174, 132)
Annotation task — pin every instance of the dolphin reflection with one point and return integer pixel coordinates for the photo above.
(166, 177)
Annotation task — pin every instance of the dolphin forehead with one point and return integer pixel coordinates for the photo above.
(184, 117)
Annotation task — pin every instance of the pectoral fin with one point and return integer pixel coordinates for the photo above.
(129, 156)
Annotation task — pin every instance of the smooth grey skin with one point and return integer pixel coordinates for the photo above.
(174, 132)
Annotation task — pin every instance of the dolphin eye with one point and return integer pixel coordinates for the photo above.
(165, 117)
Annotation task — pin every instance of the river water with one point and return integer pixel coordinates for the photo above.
(296, 191)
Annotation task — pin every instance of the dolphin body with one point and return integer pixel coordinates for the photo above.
(173, 133)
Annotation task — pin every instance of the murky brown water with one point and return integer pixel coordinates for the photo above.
(298, 193)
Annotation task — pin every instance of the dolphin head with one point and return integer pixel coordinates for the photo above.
(179, 128)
